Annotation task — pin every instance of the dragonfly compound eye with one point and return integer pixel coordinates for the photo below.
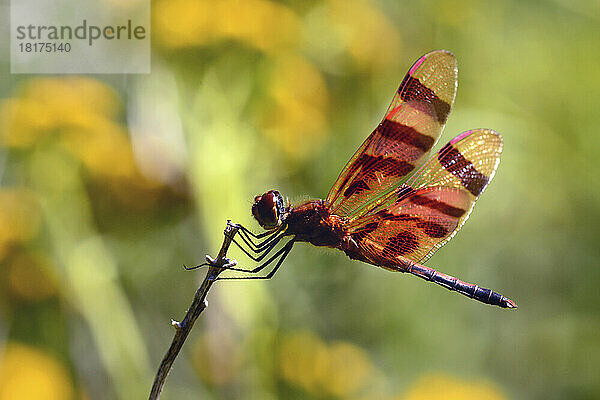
(267, 209)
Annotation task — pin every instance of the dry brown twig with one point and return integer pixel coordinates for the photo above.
(183, 328)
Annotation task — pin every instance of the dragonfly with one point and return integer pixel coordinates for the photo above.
(391, 206)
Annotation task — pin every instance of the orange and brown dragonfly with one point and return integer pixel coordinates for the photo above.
(391, 206)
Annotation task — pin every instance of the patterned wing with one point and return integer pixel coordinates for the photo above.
(410, 128)
(418, 218)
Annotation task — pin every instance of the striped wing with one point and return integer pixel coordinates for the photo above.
(418, 218)
(410, 128)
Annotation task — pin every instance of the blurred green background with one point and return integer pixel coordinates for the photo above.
(110, 183)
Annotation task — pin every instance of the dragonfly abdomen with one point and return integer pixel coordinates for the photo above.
(471, 290)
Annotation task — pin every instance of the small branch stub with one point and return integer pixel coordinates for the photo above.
(175, 324)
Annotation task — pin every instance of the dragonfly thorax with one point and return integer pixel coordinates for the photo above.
(269, 209)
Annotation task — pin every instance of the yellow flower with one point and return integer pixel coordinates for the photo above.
(71, 96)
(102, 146)
(262, 24)
(302, 357)
(296, 117)
(24, 122)
(356, 29)
(79, 114)
(349, 369)
(27, 373)
(371, 39)
(183, 23)
(44, 105)
(339, 369)
(444, 387)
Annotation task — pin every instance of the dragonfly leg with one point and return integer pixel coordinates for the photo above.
(265, 251)
(230, 265)
(271, 242)
(247, 237)
(242, 228)
(471, 290)
(256, 247)
(263, 246)
(281, 253)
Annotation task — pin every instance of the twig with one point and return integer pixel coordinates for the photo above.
(183, 328)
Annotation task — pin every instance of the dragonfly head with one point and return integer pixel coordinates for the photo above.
(269, 209)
